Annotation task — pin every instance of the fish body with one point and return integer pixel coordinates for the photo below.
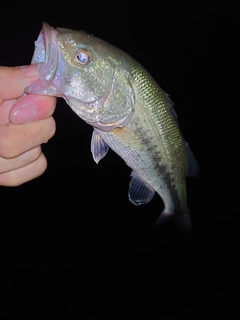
(128, 110)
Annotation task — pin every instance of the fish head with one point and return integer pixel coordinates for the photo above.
(87, 72)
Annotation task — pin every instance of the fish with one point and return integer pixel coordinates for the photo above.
(127, 109)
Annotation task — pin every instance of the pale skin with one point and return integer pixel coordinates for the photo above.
(26, 123)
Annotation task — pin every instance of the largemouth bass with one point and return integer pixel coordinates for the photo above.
(128, 110)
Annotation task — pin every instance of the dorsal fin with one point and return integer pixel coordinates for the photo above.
(193, 167)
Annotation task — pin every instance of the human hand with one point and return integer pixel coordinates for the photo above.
(26, 123)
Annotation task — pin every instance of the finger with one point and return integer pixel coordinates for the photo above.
(17, 139)
(32, 107)
(24, 174)
(13, 80)
(23, 160)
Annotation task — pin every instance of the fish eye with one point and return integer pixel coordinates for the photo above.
(83, 57)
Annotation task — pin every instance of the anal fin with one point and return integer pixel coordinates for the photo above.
(139, 192)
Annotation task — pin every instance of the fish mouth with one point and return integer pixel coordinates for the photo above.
(46, 56)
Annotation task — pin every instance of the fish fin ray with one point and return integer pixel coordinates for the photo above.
(99, 148)
(139, 192)
(171, 104)
(193, 167)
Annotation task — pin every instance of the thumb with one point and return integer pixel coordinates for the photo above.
(32, 107)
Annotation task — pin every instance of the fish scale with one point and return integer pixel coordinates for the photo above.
(155, 102)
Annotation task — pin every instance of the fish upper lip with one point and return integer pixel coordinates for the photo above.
(46, 53)
(46, 56)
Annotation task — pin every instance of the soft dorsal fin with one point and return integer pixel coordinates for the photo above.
(139, 192)
(193, 167)
(99, 147)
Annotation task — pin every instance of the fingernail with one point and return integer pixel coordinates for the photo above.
(30, 70)
(24, 115)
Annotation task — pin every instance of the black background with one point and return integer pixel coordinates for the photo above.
(72, 245)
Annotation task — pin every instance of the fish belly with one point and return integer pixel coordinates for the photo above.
(145, 150)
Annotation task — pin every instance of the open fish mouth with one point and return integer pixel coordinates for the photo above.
(46, 55)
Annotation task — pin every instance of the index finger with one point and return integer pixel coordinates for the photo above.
(13, 80)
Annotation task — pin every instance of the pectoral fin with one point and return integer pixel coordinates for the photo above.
(139, 193)
(99, 147)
